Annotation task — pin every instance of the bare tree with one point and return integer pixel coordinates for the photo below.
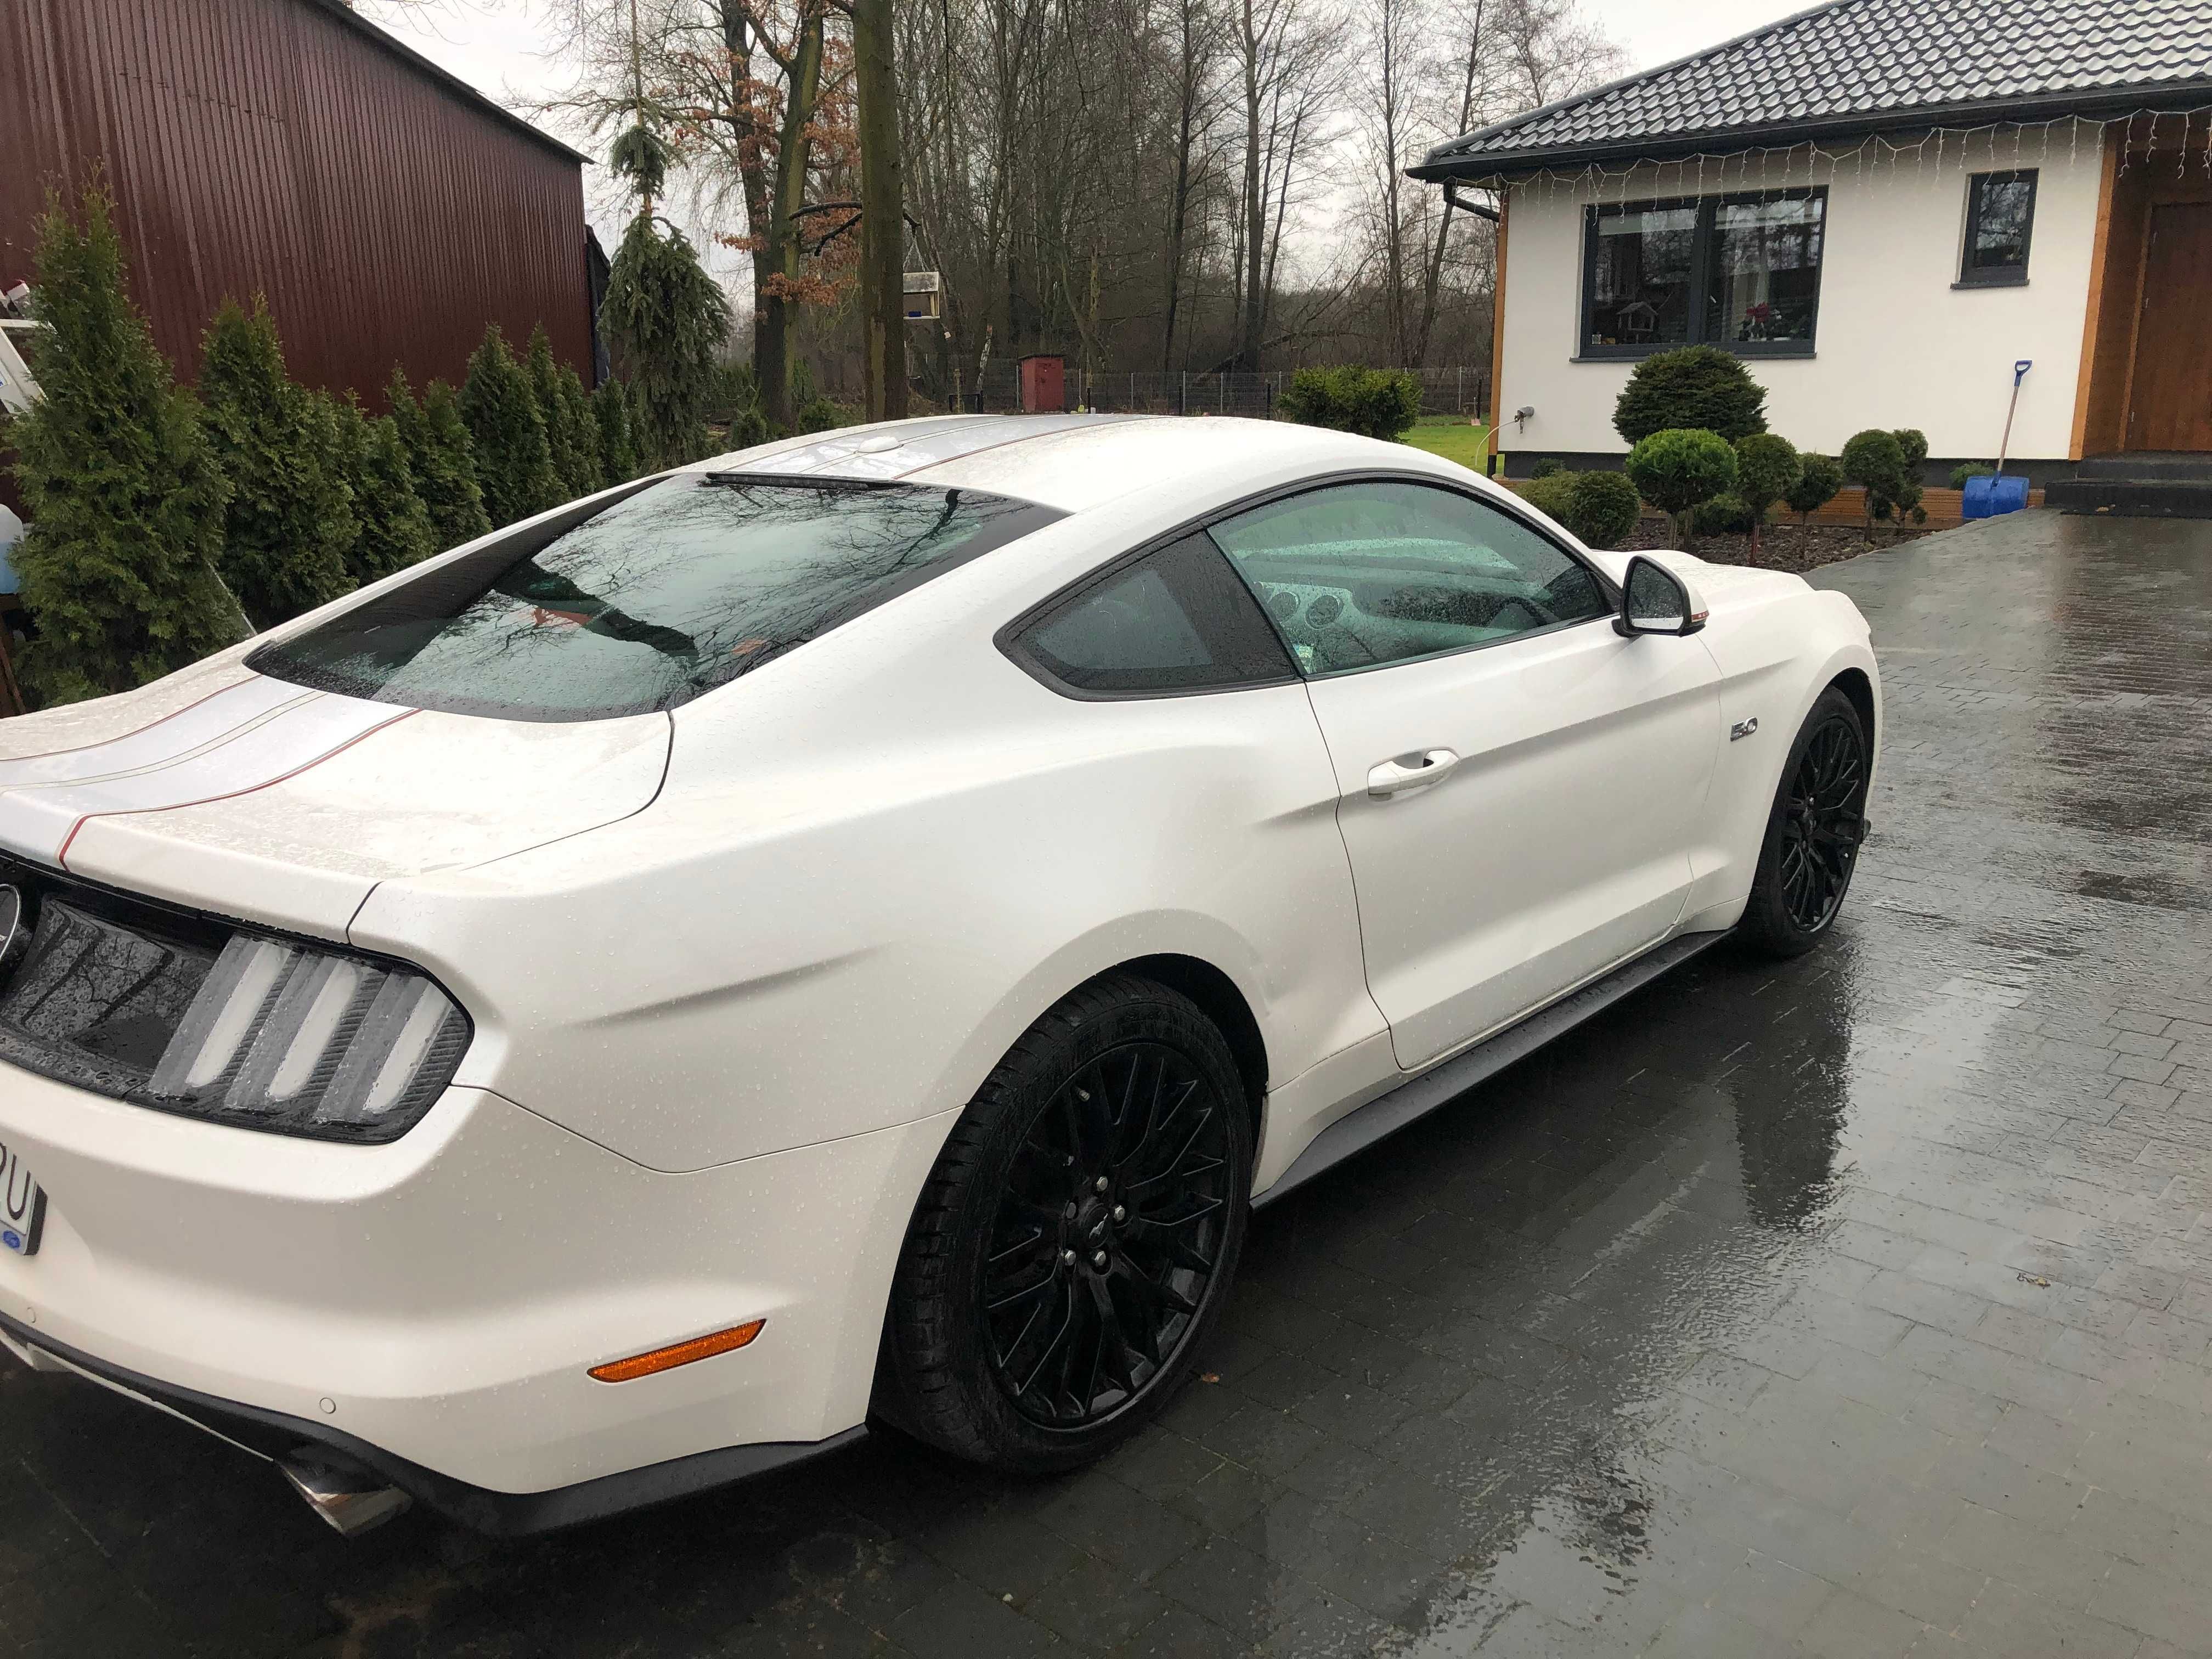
(739, 88)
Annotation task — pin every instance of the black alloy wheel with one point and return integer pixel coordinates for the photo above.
(1823, 822)
(1108, 1235)
(1814, 833)
(1077, 1237)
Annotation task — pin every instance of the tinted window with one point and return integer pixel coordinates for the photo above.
(2000, 214)
(1738, 271)
(649, 602)
(1178, 620)
(1364, 574)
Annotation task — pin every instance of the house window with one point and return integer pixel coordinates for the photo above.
(2000, 214)
(1738, 271)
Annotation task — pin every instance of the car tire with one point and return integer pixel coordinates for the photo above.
(1118, 1131)
(1814, 831)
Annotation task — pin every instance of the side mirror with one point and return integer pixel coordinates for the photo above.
(1655, 600)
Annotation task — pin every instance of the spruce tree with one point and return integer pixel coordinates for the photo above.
(617, 451)
(290, 521)
(514, 466)
(663, 315)
(125, 502)
(569, 442)
(394, 527)
(441, 457)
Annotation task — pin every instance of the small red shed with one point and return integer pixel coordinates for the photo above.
(1045, 385)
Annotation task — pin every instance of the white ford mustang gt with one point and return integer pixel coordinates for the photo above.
(846, 932)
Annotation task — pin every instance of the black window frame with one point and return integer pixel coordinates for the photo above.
(1978, 185)
(1009, 637)
(1701, 266)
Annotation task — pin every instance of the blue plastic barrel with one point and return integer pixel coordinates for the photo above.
(1994, 493)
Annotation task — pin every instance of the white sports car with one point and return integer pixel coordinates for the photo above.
(846, 932)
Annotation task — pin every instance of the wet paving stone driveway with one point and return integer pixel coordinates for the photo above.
(1859, 1308)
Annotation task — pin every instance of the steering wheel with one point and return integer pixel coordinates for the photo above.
(1540, 615)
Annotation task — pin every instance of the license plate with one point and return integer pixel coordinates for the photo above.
(22, 1205)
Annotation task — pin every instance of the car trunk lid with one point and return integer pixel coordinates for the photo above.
(271, 802)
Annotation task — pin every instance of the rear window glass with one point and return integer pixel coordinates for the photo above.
(648, 602)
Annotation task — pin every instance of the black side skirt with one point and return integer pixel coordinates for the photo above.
(273, 1435)
(1418, 1096)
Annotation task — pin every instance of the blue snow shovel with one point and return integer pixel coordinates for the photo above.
(1995, 493)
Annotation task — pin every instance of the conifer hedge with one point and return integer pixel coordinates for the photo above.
(442, 457)
(514, 462)
(394, 527)
(618, 447)
(126, 499)
(290, 522)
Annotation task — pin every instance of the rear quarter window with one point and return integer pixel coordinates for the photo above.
(1177, 620)
(648, 602)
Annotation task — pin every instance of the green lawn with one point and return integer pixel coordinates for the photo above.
(1455, 440)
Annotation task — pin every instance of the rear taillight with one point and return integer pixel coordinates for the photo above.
(282, 1036)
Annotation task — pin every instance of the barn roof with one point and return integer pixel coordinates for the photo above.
(1854, 66)
(386, 41)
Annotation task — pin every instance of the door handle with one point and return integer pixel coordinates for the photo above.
(1391, 778)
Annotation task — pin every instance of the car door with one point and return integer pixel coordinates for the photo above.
(1519, 785)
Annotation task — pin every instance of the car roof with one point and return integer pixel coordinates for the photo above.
(1072, 462)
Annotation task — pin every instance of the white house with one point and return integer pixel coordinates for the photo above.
(1882, 206)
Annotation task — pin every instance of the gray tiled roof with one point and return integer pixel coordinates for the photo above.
(1853, 58)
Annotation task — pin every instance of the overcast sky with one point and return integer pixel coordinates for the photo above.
(497, 44)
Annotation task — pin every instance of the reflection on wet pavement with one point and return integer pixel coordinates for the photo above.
(1858, 1307)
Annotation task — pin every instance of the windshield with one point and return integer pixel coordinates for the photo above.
(649, 602)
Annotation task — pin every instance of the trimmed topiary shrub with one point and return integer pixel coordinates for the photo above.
(1696, 387)
(1604, 509)
(1550, 467)
(1677, 469)
(441, 459)
(1914, 443)
(1723, 515)
(1552, 494)
(1875, 461)
(821, 415)
(1766, 466)
(507, 429)
(1819, 480)
(290, 521)
(1376, 403)
(1966, 469)
(126, 500)
(748, 427)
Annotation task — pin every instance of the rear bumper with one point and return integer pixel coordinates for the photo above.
(431, 1308)
(271, 1435)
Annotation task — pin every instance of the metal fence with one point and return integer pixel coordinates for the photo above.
(1454, 390)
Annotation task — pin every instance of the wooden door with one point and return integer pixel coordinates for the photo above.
(2171, 403)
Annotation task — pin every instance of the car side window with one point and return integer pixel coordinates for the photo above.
(1356, 576)
(1177, 621)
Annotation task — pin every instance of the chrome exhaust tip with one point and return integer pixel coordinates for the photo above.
(345, 1494)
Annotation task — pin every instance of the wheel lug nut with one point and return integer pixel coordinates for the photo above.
(1121, 1214)
(1067, 1258)
(1099, 1260)
(1100, 1184)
